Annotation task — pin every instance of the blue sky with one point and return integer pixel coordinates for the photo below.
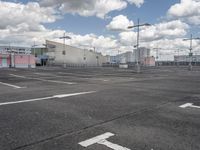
(102, 23)
(151, 11)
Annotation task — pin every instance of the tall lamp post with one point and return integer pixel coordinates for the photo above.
(33, 46)
(63, 52)
(138, 36)
(157, 57)
(190, 53)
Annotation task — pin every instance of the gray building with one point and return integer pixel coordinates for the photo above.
(127, 57)
(144, 53)
(186, 58)
(131, 57)
(59, 53)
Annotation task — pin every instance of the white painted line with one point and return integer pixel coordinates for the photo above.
(189, 105)
(11, 85)
(53, 81)
(101, 139)
(25, 101)
(44, 74)
(96, 139)
(18, 76)
(112, 145)
(185, 105)
(72, 94)
(45, 98)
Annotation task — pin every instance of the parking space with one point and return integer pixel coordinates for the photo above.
(99, 109)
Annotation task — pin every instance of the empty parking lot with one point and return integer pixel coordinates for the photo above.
(99, 109)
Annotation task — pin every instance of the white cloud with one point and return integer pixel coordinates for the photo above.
(29, 15)
(99, 8)
(166, 35)
(138, 3)
(164, 30)
(188, 10)
(119, 23)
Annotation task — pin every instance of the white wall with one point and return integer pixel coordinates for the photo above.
(73, 55)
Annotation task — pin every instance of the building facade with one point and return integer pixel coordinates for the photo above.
(127, 57)
(16, 57)
(15, 49)
(60, 54)
(141, 54)
(186, 58)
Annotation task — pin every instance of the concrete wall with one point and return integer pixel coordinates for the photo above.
(64, 54)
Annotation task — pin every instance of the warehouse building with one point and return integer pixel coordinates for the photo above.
(60, 54)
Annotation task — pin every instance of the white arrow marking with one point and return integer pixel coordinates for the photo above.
(45, 98)
(11, 85)
(189, 105)
(101, 139)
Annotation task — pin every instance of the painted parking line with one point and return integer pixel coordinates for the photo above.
(101, 139)
(46, 98)
(18, 76)
(189, 105)
(40, 79)
(11, 85)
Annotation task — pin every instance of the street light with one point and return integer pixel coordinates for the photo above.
(157, 49)
(97, 57)
(137, 46)
(64, 37)
(190, 54)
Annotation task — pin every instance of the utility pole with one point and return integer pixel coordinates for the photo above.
(63, 52)
(190, 54)
(97, 57)
(138, 38)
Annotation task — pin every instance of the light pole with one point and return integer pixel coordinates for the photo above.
(33, 53)
(190, 54)
(63, 52)
(157, 49)
(97, 57)
(138, 36)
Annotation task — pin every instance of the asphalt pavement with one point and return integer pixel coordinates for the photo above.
(51, 108)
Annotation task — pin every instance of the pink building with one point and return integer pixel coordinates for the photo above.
(4, 60)
(149, 61)
(23, 61)
(17, 61)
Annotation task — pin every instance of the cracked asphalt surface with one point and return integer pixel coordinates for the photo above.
(142, 110)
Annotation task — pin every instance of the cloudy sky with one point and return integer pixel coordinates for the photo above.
(102, 24)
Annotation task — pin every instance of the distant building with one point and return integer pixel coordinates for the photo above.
(59, 53)
(186, 58)
(15, 49)
(149, 61)
(144, 53)
(40, 54)
(128, 57)
(16, 57)
(132, 57)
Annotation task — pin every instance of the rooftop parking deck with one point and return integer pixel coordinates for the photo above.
(51, 108)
